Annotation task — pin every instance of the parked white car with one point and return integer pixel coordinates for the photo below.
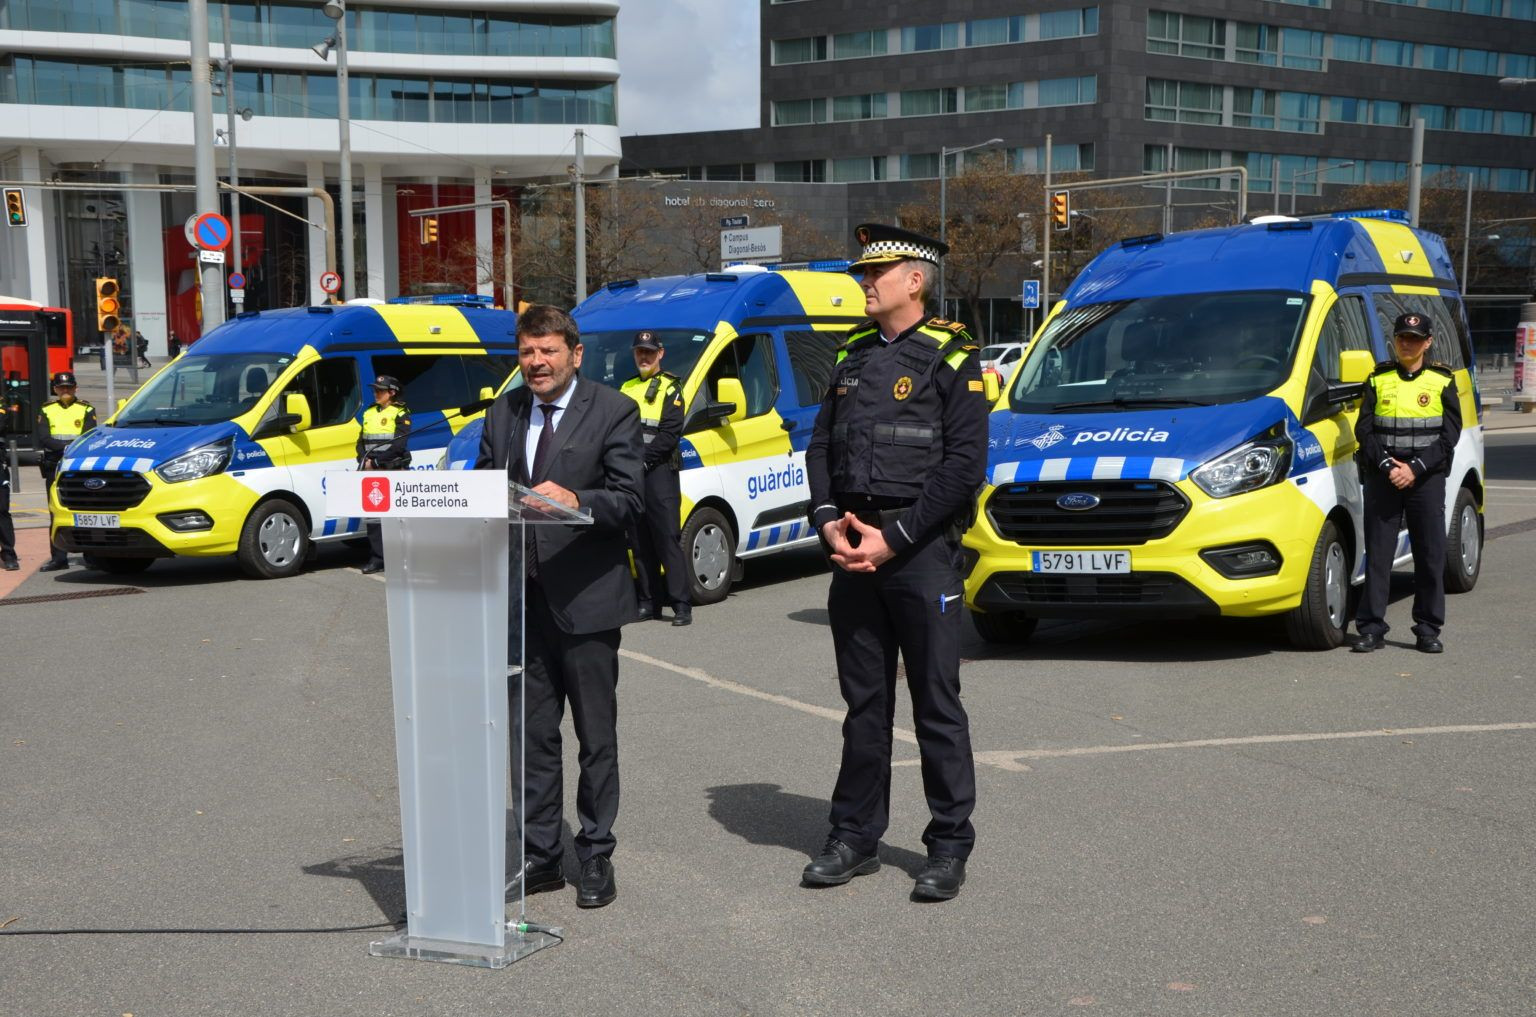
(1002, 357)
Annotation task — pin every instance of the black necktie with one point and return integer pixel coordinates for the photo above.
(545, 443)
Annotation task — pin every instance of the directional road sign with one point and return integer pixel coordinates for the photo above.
(735, 222)
(236, 281)
(1031, 292)
(330, 282)
(211, 231)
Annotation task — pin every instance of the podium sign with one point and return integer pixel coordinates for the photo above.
(454, 541)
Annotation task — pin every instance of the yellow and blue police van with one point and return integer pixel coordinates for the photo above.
(225, 449)
(1179, 440)
(754, 350)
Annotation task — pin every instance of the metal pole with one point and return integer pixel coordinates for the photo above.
(1467, 233)
(1294, 174)
(238, 265)
(1045, 235)
(1168, 196)
(1415, 171)
(1274, 183)
(211, 276)
(943, 216)
(344, 123)
(581, 217)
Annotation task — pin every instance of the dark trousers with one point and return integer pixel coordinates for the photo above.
(657, 542)
(7, 526)
(911, 605)
(1423, 506)
(584, 671)
(50, 470)
(375, 542)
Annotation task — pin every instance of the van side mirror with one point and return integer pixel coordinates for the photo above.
(120, 404)
(728, 392)
(296, 405)
(1354, 367)
(487, 394)
(990, 387)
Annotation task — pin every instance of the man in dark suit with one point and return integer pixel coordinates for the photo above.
(576, 442)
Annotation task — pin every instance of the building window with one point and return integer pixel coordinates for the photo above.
(859, 107)
(1068, 91)
(849, 45)
(929, 102)
(799, 51)
(1066, 24)
(983, 98)
(925, 38)
(731, 171)
(1186, 35)
(858, 170)
(1188, 102)
(921, 166)
(802, 171)
(994, 31)
(790, 112)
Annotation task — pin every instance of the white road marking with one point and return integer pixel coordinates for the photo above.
(1527, 488)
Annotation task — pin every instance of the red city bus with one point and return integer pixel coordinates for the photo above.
(35, 343)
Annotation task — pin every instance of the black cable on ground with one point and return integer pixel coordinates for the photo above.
(194, 932)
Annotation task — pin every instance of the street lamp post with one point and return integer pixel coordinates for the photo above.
(336, 10)
(234, 162)
(944, 153)
(1298, 174)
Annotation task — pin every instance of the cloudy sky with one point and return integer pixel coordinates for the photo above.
(668, 82)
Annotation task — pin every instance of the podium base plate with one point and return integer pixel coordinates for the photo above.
(476, 955)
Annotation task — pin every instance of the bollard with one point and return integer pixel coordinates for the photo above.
(15, 467)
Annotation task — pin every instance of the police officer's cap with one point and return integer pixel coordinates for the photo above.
(64, 378)
(885, 244)
(385, 381)
(647, 340)
(1412, 323)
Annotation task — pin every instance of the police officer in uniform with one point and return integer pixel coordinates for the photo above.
(657, 542)
(381, 446)
(8, 560)
(60, 422)
(1410, 421)
(894, 463)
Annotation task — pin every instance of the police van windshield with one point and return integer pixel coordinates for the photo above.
(1194, 349)
(203, 390)
(609, 357)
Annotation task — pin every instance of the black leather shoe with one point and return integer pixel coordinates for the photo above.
(1429, 644)
(1368, 642)
(372, 567)
(52, 565)
(837, 864)
(538, 877)
(645, 613)
(598, 887)
(682, 614)
(10, 565)
(940, 879)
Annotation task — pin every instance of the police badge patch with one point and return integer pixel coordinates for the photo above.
(1423, 398)
(903, 387)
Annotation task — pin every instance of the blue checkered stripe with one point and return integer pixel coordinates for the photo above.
(109, 464)
(772, 536)
(338, 527)
(1091, 468)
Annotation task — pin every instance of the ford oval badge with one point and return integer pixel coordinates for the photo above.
(95, 484)
(1078, 501)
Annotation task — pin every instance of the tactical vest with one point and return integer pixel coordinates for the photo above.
(887, 430)
(66, 422)
(1409, 411)
(651, 395)
(380, 424)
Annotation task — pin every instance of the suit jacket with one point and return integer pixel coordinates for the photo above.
(583, 570)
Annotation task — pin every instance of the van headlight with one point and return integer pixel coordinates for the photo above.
(196, 464)
(1248, 467)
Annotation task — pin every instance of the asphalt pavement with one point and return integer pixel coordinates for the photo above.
(199, 792)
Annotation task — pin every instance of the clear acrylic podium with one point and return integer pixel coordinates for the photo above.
(454, 651)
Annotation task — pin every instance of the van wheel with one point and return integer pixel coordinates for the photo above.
(1007, 627)
(118, 566)
(709, 551)
(1319, 622)
(274, 542)
(1463, 545)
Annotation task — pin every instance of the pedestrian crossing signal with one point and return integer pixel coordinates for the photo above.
(1061, 209)
(15, 207)
(429, 229)
(108, 304)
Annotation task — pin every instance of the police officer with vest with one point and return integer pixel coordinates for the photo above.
(60, 422)
(381, 446)
(1410, 421)
(894, 463)
(657, 542)
(8, 560)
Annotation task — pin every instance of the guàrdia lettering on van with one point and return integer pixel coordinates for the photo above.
(1120, 434)
(792, 475)
(421, 494)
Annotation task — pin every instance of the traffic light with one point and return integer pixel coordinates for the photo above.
(429, 229)
(107, 304)
(1061, 210)
(15, 207)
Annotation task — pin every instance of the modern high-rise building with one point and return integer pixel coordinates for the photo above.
(1307, 95)
(449, 102)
